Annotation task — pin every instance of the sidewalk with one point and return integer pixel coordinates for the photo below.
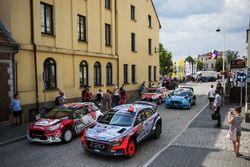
(10, 134)
(203, 145)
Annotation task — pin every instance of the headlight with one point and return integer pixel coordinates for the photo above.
(118, 141)
(185, 100)
(54, 127)
(154, 97)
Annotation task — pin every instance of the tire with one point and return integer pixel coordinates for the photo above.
(67, 135)
(157, 133)
(194, 102)
(131, 148)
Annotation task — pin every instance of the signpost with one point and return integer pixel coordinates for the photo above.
(241, 77)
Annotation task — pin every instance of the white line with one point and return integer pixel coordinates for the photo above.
(167, 146)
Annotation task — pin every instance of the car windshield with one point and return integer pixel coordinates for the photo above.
(57, 113)
(118, 118)
(180, 92)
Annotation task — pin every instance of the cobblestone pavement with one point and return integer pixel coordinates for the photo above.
(203, 145)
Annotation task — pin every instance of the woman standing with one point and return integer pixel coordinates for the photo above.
(235, 119)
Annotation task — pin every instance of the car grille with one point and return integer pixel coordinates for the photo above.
(37, 134)
(176, 102)
(98, 145)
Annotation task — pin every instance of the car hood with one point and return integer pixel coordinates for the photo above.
(176, 98)
(105, 132)
(46, 122)
(149, 95)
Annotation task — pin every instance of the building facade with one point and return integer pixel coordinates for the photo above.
(70, 44)
(209, 64)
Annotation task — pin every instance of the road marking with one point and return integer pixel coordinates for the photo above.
(167, 146)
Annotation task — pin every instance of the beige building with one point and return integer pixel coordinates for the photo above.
(69, 44)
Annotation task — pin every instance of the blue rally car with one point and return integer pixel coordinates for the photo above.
(181, 98)
(120, 130)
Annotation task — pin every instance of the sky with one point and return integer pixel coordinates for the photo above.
(189, 26)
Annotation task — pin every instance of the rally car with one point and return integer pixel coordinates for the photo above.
(181, 98)
(157, 95)
(120, 130)
(62, 123)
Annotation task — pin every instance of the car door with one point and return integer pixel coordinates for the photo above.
(149, 121)
(139, 121)
(79, 124)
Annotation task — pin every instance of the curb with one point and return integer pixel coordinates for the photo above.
(12, 140)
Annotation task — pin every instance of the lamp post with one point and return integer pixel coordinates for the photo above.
(223, 55)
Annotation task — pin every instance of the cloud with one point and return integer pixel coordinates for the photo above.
(188, 26)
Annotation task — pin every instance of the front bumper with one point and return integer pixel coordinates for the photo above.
(177, 105)
(45, 138)
(119, 152)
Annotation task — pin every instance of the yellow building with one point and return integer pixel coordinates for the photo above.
(69, 44)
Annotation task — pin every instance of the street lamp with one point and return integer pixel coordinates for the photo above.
(223, 55)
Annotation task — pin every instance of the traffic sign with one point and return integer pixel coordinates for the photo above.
(241, 77)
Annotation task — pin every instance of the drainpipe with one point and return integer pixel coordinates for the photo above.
(34, 49)
(116, 44)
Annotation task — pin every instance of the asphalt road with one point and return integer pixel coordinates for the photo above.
(27, 154)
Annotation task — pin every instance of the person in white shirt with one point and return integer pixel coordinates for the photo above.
(217, 105)
(211, 96)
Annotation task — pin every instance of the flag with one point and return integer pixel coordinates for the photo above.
(214, 54)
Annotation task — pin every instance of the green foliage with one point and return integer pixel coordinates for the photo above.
(218, 65)
(200, 65)
(166, 63)
(231, 55)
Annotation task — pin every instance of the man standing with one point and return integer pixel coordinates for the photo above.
(17, 111)
(141, 89)
(211, 95)
(217, 105)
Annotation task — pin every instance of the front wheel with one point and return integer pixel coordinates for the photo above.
(131, 148)
(67, 135)
(157, 131)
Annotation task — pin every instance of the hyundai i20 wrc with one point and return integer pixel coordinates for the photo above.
(120, 130)
(62, 123)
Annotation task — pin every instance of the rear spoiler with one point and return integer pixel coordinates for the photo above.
(154, 105)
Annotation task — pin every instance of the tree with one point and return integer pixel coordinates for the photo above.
(200, 65)
(166, 63)
(192, 61)
(231, 55)
(218, 65)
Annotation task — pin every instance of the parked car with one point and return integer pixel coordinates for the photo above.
(181, 98)
(62, 123)
(157, 95)
(120, 130)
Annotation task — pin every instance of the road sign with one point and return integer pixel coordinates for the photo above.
(241, 77)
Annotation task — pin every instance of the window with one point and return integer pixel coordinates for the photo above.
(155, 73)
(49, 69)
(149, 21)
(132, 12)
(133, 70)
(149, 73)
(81, 28)
(84, 76)
(212, 65)
(107, 35)
(149, 46)
(97, 74)
(46, 17)
(133, 42)
(125, 73)
(107, 4)
(109, 78)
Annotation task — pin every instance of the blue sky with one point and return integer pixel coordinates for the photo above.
(188, 26)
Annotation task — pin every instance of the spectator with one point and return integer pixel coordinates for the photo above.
(141, 89)
(84, 94)
(16, 110)
(220, 90)
(235, 119)
(60, 99)
(116, 96)
(217, 105)
(107, 100)
(99, 97)
(89, 95)
(123, 95)
(211, 95)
